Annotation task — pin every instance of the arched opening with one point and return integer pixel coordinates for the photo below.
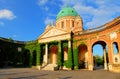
(34, 58)
(82, 56)
(72, 23)
(2, 58)
(115, 48)
(26, 58)
(116, 51)
(53, 54)
(100, 55)
(65, 53)
(62, 24)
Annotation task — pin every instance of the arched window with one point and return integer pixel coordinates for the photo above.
(115, 48)
(62, 24)
(116, 60)
(72, 23)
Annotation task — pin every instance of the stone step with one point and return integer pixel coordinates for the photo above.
(49, 67)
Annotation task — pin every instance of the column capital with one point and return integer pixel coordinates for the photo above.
(69, 43)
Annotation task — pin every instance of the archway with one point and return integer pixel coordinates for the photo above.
(116, 53)
(53, 54)
(100, 55)
(82, 56)
(2, 58)
(34, 58)
(65, 53)
(26, 58)
(115, 47)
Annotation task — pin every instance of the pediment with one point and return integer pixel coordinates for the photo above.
(53, 31)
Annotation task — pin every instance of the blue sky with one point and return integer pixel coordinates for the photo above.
(26, 19)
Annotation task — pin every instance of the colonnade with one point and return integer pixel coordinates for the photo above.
(45, 59)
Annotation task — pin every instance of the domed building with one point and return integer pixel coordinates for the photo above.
(68, 19)
(66, 45)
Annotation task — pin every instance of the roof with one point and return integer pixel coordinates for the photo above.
(67, 11)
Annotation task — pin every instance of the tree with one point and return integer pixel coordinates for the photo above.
(99, 60)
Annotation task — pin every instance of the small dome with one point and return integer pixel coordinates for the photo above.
(67, 11)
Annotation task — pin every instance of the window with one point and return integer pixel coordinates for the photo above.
(116, 60)
(72, 23)
(115, 48)
(62, 25)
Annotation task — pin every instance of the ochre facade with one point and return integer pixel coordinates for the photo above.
(68, 34)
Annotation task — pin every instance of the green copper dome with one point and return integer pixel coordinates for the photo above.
(67, 11)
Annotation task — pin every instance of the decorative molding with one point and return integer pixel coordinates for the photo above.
(113, 35)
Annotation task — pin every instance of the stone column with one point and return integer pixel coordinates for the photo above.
(70, 23)
(90, 60)
(105, 60)
(110, 55)
(90, 56)
(46, 53)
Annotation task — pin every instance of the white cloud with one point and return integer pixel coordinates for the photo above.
(42, 2)
(14, 35)
(46, 8)
(49, 20)
(102, 11)
(1, 23)
(6, 14)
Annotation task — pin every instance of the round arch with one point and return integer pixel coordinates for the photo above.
(26, 58)
(34, 58)
(82, 56)
(97, 59)
(53, 52)
(116, 58)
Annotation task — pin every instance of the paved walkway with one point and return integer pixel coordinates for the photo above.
(29, 73)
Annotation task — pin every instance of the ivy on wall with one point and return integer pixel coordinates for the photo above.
(38, 55)
(59, 55)
(70, 63)
(9, 54)
(32, 47)
(75, 54)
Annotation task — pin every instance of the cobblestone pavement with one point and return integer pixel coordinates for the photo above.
(30, 73)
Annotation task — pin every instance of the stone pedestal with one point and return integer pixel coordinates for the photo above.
(110, 66)
(105, 66)
(90, 67)
(38, 67)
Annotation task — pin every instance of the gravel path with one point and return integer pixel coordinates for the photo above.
(30, 73)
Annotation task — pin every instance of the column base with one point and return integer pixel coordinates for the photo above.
(90, 67)
(38, 67)
(105, 66)
(110, 66)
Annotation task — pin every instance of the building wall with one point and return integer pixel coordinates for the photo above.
(108, 35)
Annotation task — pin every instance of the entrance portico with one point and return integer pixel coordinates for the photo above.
(52, 38)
